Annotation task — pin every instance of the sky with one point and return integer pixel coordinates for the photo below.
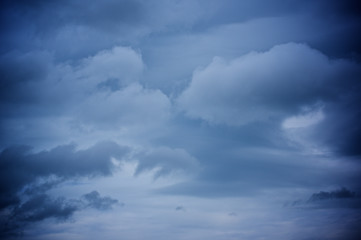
(170, 119)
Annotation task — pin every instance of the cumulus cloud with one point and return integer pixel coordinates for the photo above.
(273, 86)
(99, 92)
(119, 66)
(254, 87)
(112, 94)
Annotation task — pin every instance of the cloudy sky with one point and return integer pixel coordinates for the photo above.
(169, 119)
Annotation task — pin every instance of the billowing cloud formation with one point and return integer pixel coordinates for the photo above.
(273, 85)
(273, 118)
(262, 86)
(43, 81)
(98, 92)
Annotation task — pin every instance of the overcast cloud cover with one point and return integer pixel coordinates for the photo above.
(168, 119)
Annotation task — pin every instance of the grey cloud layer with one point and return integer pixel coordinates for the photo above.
(274, 116)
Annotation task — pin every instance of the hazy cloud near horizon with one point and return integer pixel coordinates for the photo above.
(188, 119)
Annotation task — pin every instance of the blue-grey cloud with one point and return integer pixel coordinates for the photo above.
(253, 87)
(21, 168)
(275, 114)
(36, 208)
(89, 102)
(166, 161)
(336, 199)
(341, 193)
(94, 200)
(39, 207)
(271, 86)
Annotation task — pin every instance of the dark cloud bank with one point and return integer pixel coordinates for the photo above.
(26, 177)
(339, 198)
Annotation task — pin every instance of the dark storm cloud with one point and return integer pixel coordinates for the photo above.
(340, 193)
(339, 198)
(39, 207)
(20, 168)
(94, 200)
(36, 208)
(26, 177)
